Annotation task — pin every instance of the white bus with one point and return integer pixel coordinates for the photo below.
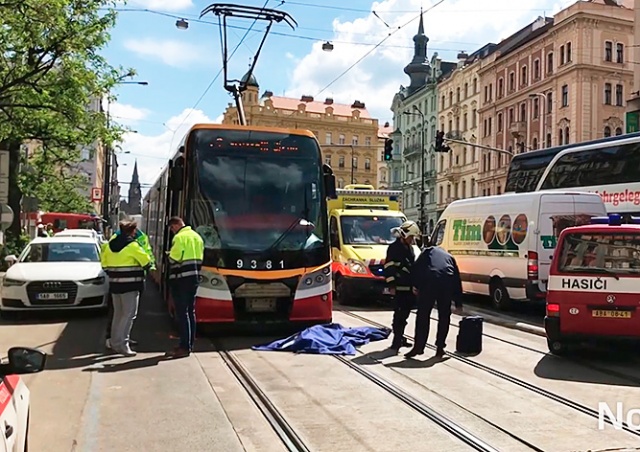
(609, 167)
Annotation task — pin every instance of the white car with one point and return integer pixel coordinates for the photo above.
(55, 273)
(14, 397)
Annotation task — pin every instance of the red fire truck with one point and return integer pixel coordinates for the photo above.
(594, 284)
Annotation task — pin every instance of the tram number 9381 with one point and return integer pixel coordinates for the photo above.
(252, 264)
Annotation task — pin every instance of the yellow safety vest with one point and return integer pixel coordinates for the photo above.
(186, 255)
(126, 268)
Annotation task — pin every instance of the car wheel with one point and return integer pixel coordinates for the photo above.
(499, 295)
(558, 348)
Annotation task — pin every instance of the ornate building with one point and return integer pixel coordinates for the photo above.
(457, 170)
(133, 205)
(558, 80)
(347, 133)
(415, 119)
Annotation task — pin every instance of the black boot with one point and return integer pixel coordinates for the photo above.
(440, 352)
(413, 352)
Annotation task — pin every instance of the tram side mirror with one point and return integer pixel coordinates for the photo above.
(176, 178)
(329, 182)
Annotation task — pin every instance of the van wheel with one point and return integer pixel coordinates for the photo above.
(499, 295)
(558, 348)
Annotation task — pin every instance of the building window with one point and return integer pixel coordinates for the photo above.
(548, 140)
(327, 160)
(465, 122)
(536, 107)
(566, 135)
(561, 55)
(535, 143)
(608, 51)
(618, 131)
(523, 112)
(511, 116)
(474, 118)
(524, 76)
(619, 93)
(607, 131)
(536, 69)
(490, 124)
(550, 63)
(341, 162)
(486, 94)
(560, 137)
(565, 95)
(341, 139)
(450, 98)
(512, 81)
(620, 53)
(607, 93)
(475, 86)
(354, 162)
(340, 183)
(367, 164)
(568, 50)
(327, 138)
(354, 140)
(442, 103)
(450, 126)
(549, 103)
(458, 94)
(457, 123)
(367, 141)
(499, 122)
(500, 92)
(490, 91)
(464, 189)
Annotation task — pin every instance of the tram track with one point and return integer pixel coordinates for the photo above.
(276, 420)
(510, 378)
(591, 366)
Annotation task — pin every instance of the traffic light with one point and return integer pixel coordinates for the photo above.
(388, 149)
(440, 146)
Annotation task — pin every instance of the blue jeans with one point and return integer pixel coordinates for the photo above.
(184, 299)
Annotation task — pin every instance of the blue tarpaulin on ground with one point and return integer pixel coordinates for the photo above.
(330, 339)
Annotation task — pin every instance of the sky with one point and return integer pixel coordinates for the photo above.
(182, 66)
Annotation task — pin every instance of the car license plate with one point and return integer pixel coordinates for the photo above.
(53, 296)
(261, 304)
(612, 314)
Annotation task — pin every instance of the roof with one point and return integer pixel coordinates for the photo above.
(290, 103)
(384, 131)
(64, 239)
(524, 35)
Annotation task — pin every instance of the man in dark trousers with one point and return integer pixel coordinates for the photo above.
(397, 271)
(436, 281)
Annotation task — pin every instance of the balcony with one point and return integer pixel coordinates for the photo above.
(452, 173)
(518, 128)
(411, 149)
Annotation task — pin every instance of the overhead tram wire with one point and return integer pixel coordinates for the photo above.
(304, 37)
(376, 46)
(219, 72)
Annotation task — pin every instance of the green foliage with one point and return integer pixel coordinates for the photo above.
(50, 178)
(51, 70)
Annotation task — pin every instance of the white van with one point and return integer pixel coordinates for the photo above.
(504, 244)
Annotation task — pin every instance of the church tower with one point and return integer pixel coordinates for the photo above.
(419, 70)
(250, 96)
(135, 193)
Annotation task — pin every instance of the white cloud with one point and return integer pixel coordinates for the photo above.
(153, 151)
(454, 25)
(171, 52)
(165, 5)
(127, 114)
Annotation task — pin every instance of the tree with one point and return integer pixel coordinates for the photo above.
(50, 72)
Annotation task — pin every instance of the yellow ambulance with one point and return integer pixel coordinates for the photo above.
(360, 223)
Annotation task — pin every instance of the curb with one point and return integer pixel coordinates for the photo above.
(509, 323)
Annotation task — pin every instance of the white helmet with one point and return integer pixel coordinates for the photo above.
(408, 229)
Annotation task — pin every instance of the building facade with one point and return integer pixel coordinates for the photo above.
(459, 100)
(347, 134)
(415, 119)
(557, 81)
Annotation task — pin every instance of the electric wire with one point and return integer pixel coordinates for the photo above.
(376, 46)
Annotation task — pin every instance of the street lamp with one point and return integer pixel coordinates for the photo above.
(109, 156)
(544, 108)
(422, 163)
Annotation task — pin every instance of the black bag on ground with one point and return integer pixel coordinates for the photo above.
(470, 335)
